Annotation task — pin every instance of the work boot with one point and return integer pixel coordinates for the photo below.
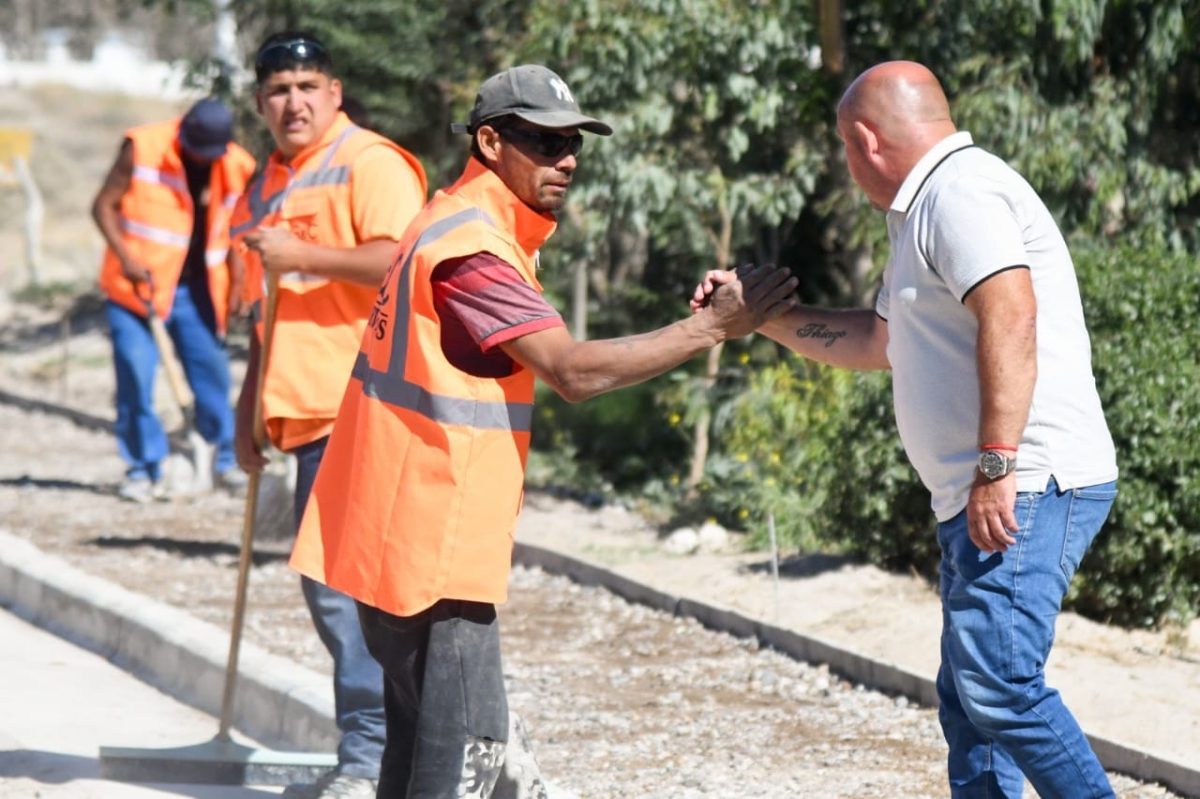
(333, 785)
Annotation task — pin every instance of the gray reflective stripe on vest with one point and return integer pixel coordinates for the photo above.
(392, 388)
(323, 175)
(148, 174)
(215, 257)
(156, 234)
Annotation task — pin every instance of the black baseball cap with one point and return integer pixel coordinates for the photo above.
(207, 128)
(533, 93)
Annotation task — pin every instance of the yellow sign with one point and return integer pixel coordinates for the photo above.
(15, 142)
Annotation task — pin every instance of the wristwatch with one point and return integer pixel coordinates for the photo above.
(994, 464)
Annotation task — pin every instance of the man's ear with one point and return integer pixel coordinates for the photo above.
(867, 141)
(488, 139)
(335, 87)
(258, 102)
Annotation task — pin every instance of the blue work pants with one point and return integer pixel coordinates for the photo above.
(357, 677)
(140, 436)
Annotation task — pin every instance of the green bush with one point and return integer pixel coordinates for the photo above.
(819, 448)
(620, 437)
(1143, 310)
(880, 511)
(774, 456)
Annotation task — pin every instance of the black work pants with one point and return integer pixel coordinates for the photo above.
(447, 710)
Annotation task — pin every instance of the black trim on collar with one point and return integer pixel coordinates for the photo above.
(991, 275)
(929, 174)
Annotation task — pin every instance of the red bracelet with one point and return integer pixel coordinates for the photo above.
(1004, 447)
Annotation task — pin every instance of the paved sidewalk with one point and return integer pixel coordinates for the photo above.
(62, 703)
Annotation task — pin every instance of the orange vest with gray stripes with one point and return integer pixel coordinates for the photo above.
(156, 218)
(319, 322)
(419, 489)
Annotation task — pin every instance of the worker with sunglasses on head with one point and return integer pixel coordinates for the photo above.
(414, 508)
(323, 218)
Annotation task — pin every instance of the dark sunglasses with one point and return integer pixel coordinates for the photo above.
(279, 56)
(544, 143)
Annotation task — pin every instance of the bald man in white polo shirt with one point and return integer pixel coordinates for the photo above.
(980, 321)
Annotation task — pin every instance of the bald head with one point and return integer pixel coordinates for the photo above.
(891, 115)
(896, 96)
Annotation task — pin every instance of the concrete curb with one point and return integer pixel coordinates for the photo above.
(281, 704)
(278, 702)
(854, 666)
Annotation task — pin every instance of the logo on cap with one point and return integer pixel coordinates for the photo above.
(560, 90)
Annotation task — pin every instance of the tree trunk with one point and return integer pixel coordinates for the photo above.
(700, 442)
(579, 301)
(833, 49)
(712, 364)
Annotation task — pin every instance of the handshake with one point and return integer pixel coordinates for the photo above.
(738, 301)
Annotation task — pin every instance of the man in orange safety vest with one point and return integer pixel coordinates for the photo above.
(164, 213)
(324, 218)
(414, 508)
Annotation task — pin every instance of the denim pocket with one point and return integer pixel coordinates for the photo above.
(1089, 508)
(1106, 492)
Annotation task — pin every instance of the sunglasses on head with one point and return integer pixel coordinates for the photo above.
(278, 56)
(545, 143)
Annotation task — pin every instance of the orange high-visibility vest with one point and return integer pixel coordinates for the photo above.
(319, 322)
(420, 486)
(156, 217)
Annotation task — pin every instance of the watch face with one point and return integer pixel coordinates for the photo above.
(992, 464)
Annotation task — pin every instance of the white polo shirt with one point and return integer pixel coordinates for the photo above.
(961, 216)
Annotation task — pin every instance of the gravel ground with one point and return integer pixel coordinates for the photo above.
(619, 700)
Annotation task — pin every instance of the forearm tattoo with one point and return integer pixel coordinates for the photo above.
(821, 332)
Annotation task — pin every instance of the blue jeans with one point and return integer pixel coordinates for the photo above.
(357, 677)
(1000, 719)
(140, 435)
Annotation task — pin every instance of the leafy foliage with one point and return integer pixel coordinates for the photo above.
(1143, 308)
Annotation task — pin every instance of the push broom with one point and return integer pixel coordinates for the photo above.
(223, 761)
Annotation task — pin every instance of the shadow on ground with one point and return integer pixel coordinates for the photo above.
(25, 481)
(189, 549)
(47, 767)
(802, 566)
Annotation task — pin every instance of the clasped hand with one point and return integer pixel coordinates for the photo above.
(743, 299)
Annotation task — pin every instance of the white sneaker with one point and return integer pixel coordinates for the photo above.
(233, 480)
(333, 785)
(136, 489)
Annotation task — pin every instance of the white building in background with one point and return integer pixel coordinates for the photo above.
(118, 64)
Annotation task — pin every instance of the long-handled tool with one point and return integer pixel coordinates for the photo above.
(201, 450)
(222, 760)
